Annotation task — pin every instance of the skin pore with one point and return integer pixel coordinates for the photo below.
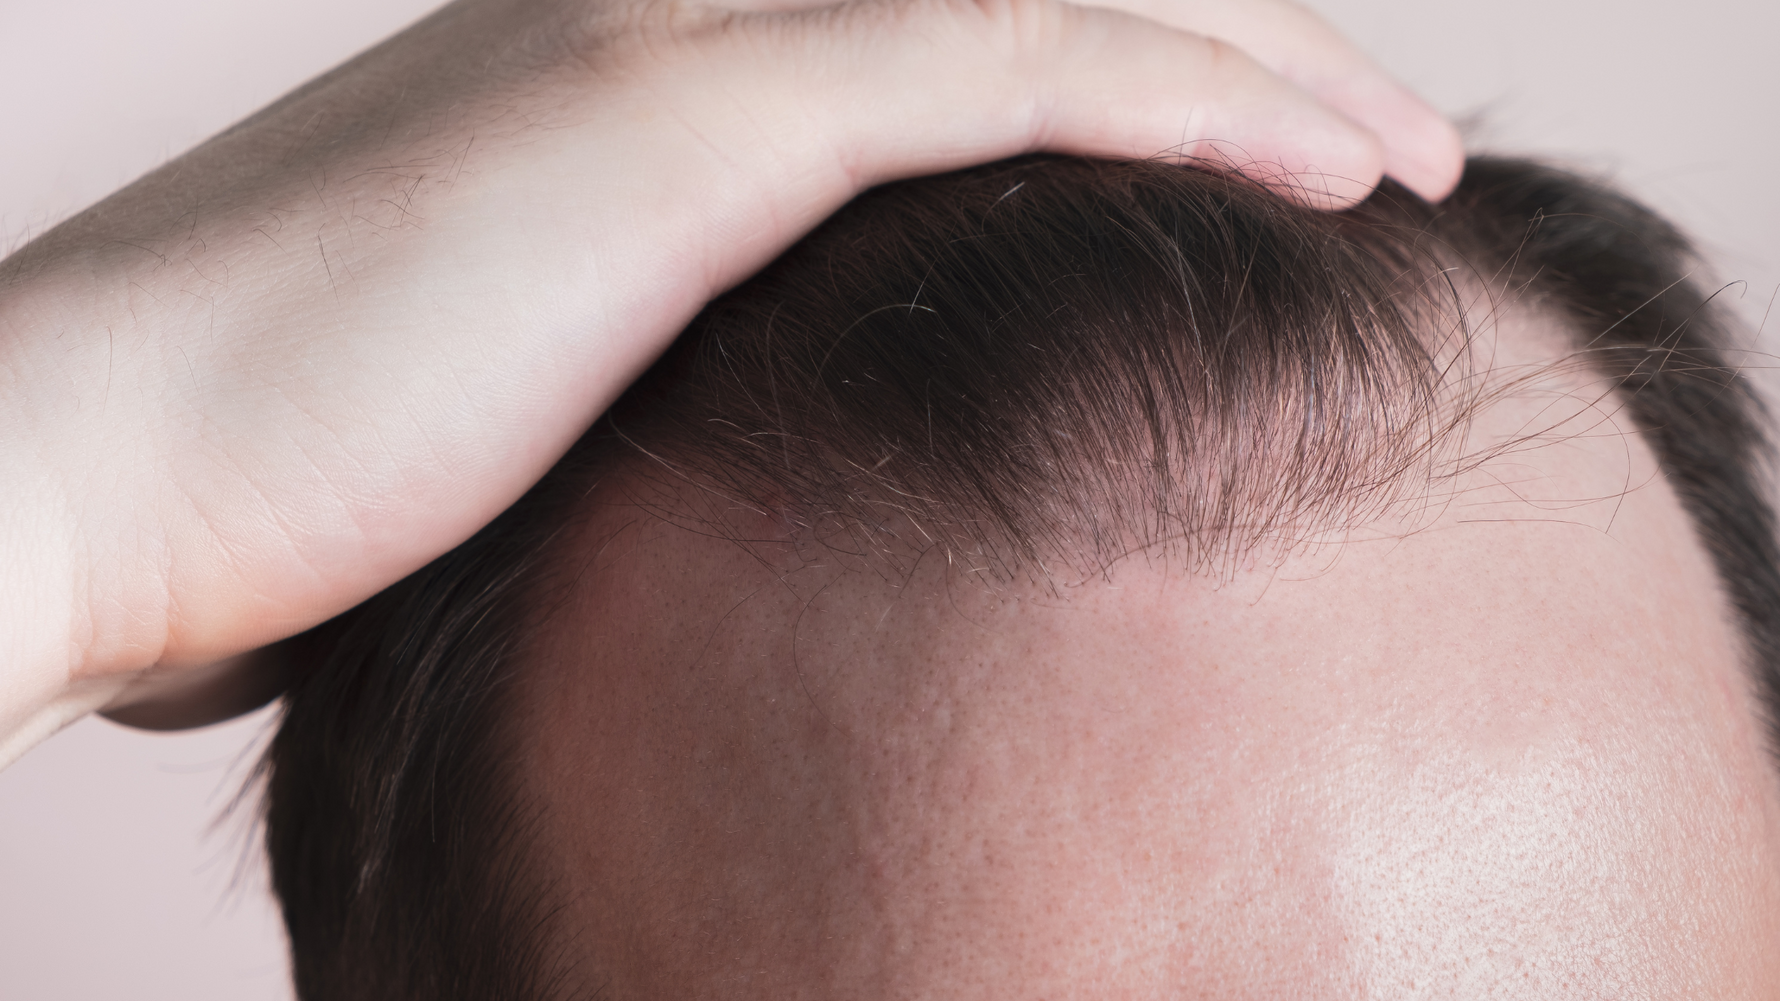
(1496, 743)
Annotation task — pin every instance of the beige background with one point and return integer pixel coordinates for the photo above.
(116, 878)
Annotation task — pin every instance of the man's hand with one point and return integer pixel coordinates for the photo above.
(299, 362)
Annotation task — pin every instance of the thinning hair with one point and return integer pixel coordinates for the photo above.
(1045, 359)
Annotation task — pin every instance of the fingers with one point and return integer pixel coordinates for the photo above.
(1422, 149)
(903, 89)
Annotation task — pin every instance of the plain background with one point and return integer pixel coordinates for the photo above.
(117, 879)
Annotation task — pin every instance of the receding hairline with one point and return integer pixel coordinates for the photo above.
(1421, 357)
(412, 675)
(1493, 351)
(1110, 388)
(603, 643)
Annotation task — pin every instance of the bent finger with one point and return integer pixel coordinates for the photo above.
(902, 89)
(1422, 149)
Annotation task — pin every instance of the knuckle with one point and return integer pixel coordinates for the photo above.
(601, 37)
(1224, 66)
(1008, 24)
(1023, 23)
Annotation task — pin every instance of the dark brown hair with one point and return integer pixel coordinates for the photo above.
(1046, 359)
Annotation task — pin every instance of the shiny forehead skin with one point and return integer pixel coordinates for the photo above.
(1501, 746)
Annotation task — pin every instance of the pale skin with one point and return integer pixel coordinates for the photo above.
(272, 378)
(1497, 743)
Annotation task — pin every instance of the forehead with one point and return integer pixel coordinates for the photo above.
(1501, 745)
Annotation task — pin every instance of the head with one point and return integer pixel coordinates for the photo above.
(1089, 579)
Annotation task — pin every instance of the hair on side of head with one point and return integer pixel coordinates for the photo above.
(1037, 361)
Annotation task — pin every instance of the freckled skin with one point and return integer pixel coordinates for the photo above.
(1505, 749)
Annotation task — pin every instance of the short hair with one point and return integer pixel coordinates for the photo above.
(1042, 359)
